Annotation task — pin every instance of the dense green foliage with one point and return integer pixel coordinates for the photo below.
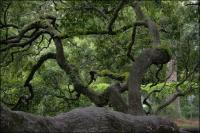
(52, 88)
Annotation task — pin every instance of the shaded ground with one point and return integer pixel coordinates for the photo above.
(187, 123)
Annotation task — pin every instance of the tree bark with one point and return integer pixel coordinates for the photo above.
(90, 119)
(140, 66)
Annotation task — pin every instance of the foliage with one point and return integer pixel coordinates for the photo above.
(103, 53)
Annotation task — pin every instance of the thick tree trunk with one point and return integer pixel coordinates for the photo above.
(90, 119)
(140, 66)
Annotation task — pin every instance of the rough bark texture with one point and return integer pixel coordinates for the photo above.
(90, 119)
(140, 66)
(46, 25)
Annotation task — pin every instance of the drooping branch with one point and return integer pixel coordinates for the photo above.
(112, 95)
(74, 76)
(16, 41)
(39, 63)
(24, 50)
(39, 27)
(30, 77)
(22, 34)
(73, 73)
(23, 44)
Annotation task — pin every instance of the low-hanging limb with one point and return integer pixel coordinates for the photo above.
(22, 44)
(25, 99)
(26, 49)
(48, 28)
(15, 40)
(73, 73)
(160, 56)
(74, 76)
(35, 26)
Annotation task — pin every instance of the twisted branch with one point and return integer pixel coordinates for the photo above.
(26, 99)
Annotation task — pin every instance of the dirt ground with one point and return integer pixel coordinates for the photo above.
(187, 123)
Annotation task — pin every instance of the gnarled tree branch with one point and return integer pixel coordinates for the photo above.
(153, 29)
(30, 77)
(141, 64)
